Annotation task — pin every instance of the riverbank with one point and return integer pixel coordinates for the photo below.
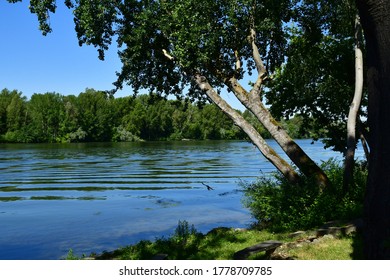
(333, 241)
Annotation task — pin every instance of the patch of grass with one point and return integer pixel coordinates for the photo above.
(326, 248)
(221, 243)
(71, 256)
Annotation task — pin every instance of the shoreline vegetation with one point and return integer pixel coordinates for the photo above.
(96, 116)
(338, 240)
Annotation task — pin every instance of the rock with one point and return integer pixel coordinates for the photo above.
(296, 234)
(328, 236)
(267, 246)
(160, 257)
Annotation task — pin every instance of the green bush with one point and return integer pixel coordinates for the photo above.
(183, 244)
(280, 206)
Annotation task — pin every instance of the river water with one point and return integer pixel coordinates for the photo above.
(101, 196)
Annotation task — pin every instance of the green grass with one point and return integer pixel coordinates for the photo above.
(219, 244)
(323, 249)
(222, 243)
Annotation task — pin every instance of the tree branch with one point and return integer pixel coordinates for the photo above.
(167, 55)
(256, 54)
(238, 61)
(262, 72)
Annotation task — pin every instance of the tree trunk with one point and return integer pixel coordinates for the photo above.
(363, 140)
(252, 101)
(354, 110)
(286, 169)
(375, 18)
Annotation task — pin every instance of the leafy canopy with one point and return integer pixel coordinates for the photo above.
(199, 35)
(306, 46)
(318, 77)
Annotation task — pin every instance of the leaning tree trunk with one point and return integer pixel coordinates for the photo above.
(305, 164)
(252, 101)
(375, 18)
(354, 110)
(286, 169)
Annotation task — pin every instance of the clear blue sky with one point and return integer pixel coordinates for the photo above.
(33, 63)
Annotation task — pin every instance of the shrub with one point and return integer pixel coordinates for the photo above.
(280, 206)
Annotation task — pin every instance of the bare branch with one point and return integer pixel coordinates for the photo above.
(170, 57)
(262, 72)
(256, 55)
(238, 60)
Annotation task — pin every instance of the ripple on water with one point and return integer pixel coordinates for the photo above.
(94, 197)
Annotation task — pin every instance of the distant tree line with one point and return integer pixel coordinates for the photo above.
(95, 116)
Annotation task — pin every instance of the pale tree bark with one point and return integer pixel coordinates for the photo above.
(286, 169)
(252, 101)
(354, 109)
(270, 154)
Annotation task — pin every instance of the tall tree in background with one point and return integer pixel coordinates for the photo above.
(13, 115)
(44, 111)
(95, 115)
(375, 18)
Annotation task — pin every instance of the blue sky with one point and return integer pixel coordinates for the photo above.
(33, 63)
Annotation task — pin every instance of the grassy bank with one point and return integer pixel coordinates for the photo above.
(221, 244)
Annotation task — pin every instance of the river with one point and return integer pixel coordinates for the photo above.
(101, 196)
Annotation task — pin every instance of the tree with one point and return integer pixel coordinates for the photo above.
(70, 128)
(168, 45)
(317, 81)
(95, 115)
(16, 113)
(375, 20)
(6, 97)
(212, 52)
(12, 115)
(44, 111)
(353, 117)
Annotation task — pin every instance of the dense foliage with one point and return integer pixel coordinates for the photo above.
(319, 69)
(278, 205)
(96, 116)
